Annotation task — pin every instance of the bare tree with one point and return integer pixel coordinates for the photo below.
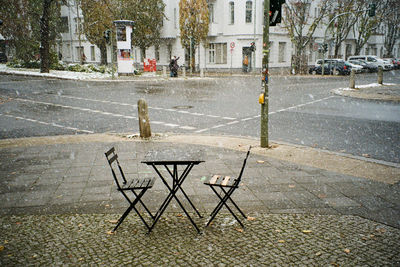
(391, 26)
(366, 25)
(342, 26)
(301, 24)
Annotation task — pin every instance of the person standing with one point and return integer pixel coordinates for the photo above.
(173, 66)
(245, 64)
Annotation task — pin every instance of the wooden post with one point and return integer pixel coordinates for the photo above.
(183, 71)
(380, 75)
(353, 79)
(144, 123)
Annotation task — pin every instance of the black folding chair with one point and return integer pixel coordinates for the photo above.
(141, 185)
(227, 185)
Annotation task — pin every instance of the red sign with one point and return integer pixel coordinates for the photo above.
(232, 45)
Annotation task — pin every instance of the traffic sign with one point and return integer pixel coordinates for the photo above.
(232, 45)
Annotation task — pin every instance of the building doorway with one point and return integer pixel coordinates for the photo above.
(246, 59)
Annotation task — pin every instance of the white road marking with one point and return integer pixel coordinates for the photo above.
(258, 116)
(202, 130)
(189, 128)
(155, 108)
(47, 123)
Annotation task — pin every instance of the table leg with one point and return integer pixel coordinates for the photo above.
(175, 187)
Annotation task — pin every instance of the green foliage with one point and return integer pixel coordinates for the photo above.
(193, 24)
(21, 26)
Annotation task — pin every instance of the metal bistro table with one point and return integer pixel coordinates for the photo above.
(171, 159)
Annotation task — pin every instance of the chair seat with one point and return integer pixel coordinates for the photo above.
(222, 181)
(140, 183)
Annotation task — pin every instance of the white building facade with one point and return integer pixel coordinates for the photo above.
(234, 25)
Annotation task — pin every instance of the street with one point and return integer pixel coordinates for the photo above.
(302, 110)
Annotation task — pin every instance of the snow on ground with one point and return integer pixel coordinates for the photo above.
(69, 75)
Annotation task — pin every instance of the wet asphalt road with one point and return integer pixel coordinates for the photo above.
(302, 110)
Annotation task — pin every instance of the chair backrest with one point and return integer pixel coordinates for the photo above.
(244, 165)
(112, 159)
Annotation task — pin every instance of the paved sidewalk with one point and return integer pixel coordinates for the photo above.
(309, 207)
(384, 92)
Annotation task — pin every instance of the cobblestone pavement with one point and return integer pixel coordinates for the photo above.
(58, 203)
(268, 240)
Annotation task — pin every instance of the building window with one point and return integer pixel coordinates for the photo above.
(92, 53)
(232, 12)
(68, 51)
(175, 19)
(80, 52)
(282, 50)
(78, 23)
(211, 53)
(217, 53)
(64, 25)
(211, 13)
(249, 11)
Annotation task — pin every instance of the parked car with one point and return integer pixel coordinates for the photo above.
(392, 61)
(367, 67)
(3, 57)
(378, 62)
(397, 62)
(388, 64)
(358, 68)
(318, 62)
(332, 68)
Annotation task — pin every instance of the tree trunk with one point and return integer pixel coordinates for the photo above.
(103, 53)
(44, 38)
(193, 63)
(358, 50)
(143, 52)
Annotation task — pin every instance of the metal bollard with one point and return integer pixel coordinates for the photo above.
(164, 71)
(144, 123)
(380, 75)
(353, 79)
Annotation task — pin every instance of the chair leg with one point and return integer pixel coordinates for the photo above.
(132, 206)
(236, 206)
(141, 202)
(223, 203)
(122, 218)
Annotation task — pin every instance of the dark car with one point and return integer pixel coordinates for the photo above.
(367, 67)
(3, 57)
(337, 68)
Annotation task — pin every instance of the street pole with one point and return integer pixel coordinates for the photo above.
(255, 29)
(264, 96)
(112, 53)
